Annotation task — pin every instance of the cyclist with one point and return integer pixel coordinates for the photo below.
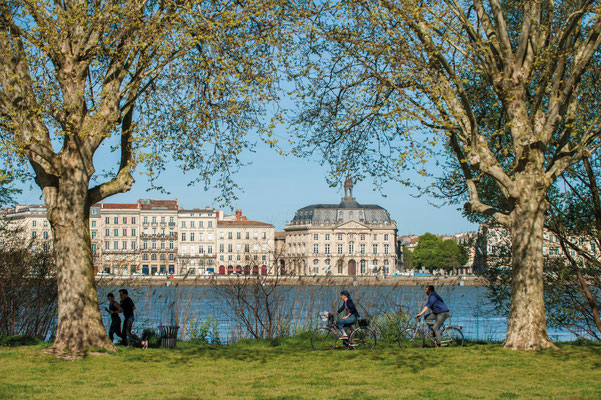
(351, 313)
(440, 312)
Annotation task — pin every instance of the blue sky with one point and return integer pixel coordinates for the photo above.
(275, 187)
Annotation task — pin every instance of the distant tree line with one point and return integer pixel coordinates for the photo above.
(433, 253)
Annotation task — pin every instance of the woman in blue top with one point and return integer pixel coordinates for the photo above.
(351, 314)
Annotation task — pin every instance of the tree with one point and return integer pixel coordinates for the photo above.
(383, 84)
(151, 78)
(434, 253)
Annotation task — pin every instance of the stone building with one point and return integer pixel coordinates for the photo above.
(340, 239)
(245, 246)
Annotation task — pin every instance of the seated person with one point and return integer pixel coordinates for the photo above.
(351, 313)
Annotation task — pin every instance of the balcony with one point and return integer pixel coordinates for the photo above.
(154, 236)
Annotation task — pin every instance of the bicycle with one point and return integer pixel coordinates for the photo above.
(328, 337)
(422, 333)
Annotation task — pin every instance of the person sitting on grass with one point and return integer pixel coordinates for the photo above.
(351, 313)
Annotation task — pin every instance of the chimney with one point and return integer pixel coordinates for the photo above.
(238, 215)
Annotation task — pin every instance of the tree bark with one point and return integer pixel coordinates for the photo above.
(527, 328)
(79, 321)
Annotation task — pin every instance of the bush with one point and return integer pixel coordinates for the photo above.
(19, 340)
(390, 325)
(204, 331)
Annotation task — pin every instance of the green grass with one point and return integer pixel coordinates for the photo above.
(289, 369)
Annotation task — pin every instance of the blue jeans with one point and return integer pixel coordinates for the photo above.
(342, 324)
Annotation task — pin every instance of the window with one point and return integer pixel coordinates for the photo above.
(93, 224)
(255, 235)
(229, 235)
(171, 220)
(200, 224)
(145, 220)
(221, 247)
(201, 249)
(93, 234)
(45, 235)
(210, 224)
(340, 249)
(133, 232)
(264, 235)
(375, 249)
(363, 236)
(183, 224)
(171, 245)
(162, 220)
(171, 257)
(246, 247)
(144, 245)
(316, 249)
(153, 257)
(210, 249)
(107, 245)
(327, 249)
(93, 248)
(183, 236)
(34, 234)
(133, 244)
(247, 235)
(107, 232)
(327, 236)
(386, 237)
(229, 248)
(191, 236)
(238, 235)
(362, 248)
(386, 249)
(133, 220)
(191, 224)
(363, 266)
(316, 266)
(154, 244)
(340, 236)
(107, 220)
(210, 236)
(116, 220)
(115, 232)
(375, 236)
(221, 235)
(124, 219)
(124, 232)
(115, 245)
(264, 247)
(327, 267)
(124, 245)
(238, 247)
(351, 248)
(162, 245)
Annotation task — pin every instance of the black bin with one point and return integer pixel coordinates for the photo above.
(168, 336)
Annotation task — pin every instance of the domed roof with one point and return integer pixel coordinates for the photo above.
(348, 209)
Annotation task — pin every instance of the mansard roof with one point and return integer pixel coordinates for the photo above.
(348, 209)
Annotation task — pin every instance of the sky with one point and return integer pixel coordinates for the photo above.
(274, 187)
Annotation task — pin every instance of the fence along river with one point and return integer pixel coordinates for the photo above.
(181, 305)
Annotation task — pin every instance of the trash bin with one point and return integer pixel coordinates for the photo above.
(168, 336)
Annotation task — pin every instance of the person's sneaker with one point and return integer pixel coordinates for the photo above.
(343, 335)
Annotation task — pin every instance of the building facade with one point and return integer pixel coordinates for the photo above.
(157, 237)
(340, 239)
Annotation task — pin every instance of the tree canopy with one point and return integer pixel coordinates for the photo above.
(434, 253)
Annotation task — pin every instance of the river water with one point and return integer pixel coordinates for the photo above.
(158, 305)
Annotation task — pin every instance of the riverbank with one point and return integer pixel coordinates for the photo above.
(347, 281)
(289, 369)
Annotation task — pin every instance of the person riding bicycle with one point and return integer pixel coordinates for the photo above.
(440, 312)
(352, 315)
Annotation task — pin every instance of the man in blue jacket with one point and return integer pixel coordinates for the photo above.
(350, 311)
(439, 313)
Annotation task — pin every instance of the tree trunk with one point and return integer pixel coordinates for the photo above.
(79, 320)
(527, 327)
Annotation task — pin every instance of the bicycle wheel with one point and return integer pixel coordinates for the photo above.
(410, 338)
(323, 339)
(451, 337)
(362, 338)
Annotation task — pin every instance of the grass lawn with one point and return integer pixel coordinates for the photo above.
(291, 370)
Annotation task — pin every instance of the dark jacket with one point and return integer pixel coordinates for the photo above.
(350, 306)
